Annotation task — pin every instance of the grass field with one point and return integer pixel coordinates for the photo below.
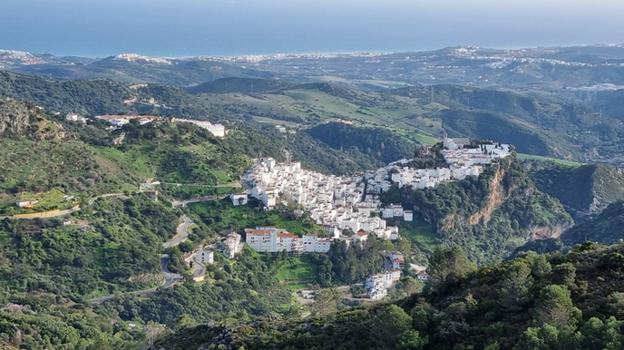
(298, 272)
(224, 216)
(422, 234)
(562, 162)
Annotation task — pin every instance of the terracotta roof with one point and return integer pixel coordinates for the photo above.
(286, 234)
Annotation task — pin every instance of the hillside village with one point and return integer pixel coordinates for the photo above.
(351, 203)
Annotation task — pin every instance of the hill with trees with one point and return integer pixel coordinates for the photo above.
(535, 301)
(583, 190)
(381, 144)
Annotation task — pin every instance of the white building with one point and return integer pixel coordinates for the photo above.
(377, 285)
(76, 118)
(27, 204)
(271, 240)
(217, 130)
(313, 244)
(239, 199)
(232, 245)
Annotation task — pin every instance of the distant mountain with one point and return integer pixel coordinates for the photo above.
(532, 68)
(130, 68)
(551, 69)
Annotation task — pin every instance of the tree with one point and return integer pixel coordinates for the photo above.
(564, 274)
(515, 285)
(448, 265)
(538, 338)
(596, 334)
(391, 322)
(412, 340)
(555, 307)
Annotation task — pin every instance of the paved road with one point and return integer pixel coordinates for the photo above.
(170, 279)
(234, 184)
(108, 195)
(183, 203)
(182, 232)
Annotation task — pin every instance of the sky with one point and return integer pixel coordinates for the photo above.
(99, 28)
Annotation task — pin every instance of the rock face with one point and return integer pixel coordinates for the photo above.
(491, 215)
(14, 118)
(19, 119)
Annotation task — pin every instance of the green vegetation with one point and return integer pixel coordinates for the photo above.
(234, 292)
(583, 190)
(557, 161)
(532, 302)
(296, 271)
(223, 216)
(381, 144)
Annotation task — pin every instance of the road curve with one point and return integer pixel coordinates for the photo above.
(182, 232)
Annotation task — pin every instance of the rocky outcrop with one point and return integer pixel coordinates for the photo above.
(14, 118)
(19, 119)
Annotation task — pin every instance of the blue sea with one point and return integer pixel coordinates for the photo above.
(99, 28)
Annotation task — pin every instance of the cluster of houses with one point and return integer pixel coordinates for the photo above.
(336, 202)
(352, 202)
(463, 159)
(378, 284)
(272, 239)
(119, 120)
(198, 259)
(76, 118)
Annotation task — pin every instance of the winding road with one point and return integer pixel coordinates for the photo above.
(182, 232)
(170, 279)
(183, 203)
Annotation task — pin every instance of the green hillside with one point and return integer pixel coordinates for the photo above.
(607, 227)
(379, 143)
(240, 85)
(584, 190)
(571, 301)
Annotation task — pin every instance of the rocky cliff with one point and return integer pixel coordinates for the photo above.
(491, 215)
(19, 119)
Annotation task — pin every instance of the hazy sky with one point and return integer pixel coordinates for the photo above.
(231, 27)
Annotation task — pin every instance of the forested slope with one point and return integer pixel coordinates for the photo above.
(556, 301)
